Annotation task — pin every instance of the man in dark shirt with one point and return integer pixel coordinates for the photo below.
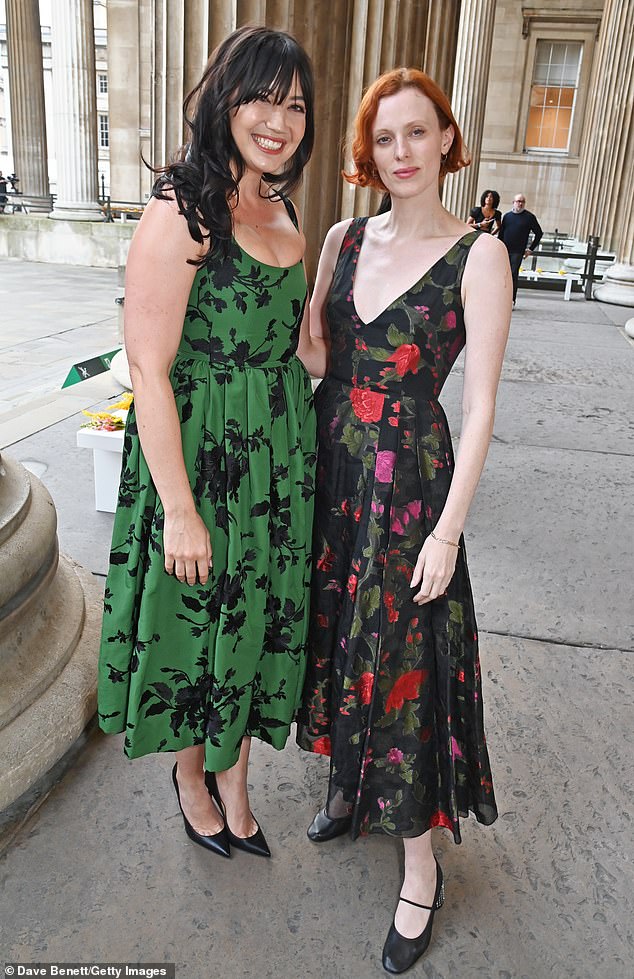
(516, 227)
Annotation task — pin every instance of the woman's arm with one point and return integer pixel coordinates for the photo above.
(487, 326)
(316, 361)
(157, 286)
(313, 347)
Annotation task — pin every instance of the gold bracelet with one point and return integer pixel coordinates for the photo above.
(441, 540)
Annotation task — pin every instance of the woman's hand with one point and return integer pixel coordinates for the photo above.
(434, 570)
(187, 547)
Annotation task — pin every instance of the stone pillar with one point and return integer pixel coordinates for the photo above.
(50, 616)
(168, 73)
(196, 42)
(75, 110)
(440, 42)
(26, 91)
(606, 174)
(468, 99)
(124, 103)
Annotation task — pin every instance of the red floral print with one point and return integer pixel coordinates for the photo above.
(325, 562)
(406, 358)
(364, 686)
(407, 687)
(322, 745)
(367, 405)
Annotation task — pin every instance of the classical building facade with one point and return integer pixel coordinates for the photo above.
(543, 91)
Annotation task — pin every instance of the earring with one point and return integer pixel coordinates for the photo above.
(443, 157)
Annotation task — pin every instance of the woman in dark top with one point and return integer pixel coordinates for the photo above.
(487, 217)
(393, 692)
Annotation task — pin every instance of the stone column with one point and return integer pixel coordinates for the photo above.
(606, 174)
(75, 110)
(26, 91)
(168, 73)
(440, 43)
(468, 100)
(124, 103)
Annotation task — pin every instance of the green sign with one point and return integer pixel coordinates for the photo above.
(89, 368)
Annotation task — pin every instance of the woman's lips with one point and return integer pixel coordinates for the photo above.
(405, 172)
(268, 145)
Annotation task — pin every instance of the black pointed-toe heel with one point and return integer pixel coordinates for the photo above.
(218, 843)
(256, 843)
(399, 953)
(324, 828)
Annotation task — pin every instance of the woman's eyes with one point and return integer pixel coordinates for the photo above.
(385, 139)
(294, 106)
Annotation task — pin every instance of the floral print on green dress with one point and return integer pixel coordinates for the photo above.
(188, 665)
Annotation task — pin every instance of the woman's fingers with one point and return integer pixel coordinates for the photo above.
(204, 567)
(187, 546)
(419, 568)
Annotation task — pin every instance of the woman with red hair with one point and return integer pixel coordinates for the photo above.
(393, 691)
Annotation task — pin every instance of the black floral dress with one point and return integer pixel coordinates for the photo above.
(183, 665)
(393, 690)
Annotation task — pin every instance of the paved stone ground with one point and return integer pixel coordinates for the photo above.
(103, 871)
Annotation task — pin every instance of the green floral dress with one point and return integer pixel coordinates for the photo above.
(187, 665)
(393, 690)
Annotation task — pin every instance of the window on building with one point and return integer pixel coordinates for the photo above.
(104, 132)
(553, 95)
(102, 84)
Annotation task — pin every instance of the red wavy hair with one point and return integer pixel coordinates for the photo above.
(390, 83)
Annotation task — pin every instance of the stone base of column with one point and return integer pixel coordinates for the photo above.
(80, 211)
(50, 621)
(617, 286)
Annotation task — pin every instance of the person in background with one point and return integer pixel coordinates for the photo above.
(487, 217)
(517, 225)
(3, 192)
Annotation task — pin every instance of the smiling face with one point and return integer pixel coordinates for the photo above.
(267, 132)
(408, 142)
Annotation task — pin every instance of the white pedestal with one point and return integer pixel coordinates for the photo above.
(107, 448)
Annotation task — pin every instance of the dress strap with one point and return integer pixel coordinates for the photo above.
(290, 210)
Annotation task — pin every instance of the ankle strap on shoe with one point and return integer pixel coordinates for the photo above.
(425, 907)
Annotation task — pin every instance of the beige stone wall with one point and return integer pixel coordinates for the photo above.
(549, 180)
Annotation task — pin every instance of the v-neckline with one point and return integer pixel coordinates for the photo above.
(413, 285)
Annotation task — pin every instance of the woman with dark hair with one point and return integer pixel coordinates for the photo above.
(206, 599)
(487, 217)
(393, 691)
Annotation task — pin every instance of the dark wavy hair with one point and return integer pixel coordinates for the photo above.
(204, 176)
(496, 198)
